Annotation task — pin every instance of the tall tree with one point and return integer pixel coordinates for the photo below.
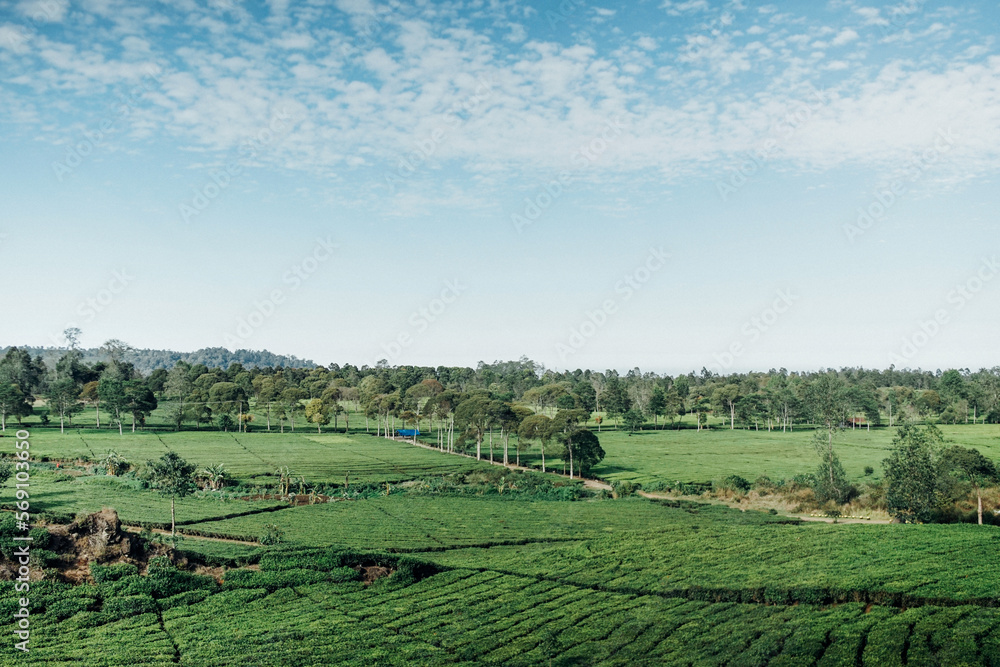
(827, 398)
(971, 467)
(63, 399)
(536, 428)
(139, 401)
(14, 402)
(912, 492)
(474, 415)
(318, 412)
(112, 393)
(174, 477)
(584, 449)
(726, 397)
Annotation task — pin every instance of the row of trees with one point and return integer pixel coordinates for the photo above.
(199, 394)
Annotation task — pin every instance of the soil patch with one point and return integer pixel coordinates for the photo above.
(370, 573)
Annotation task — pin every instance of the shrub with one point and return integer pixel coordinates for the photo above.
(272, 535)
(105, 573)
(736, 483)
(869, 471)
(625, 489)
(127, 606)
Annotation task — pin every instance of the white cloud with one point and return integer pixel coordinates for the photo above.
(871, 15)
(686, 7)
(43, 11)
(14, 38)
(845, 36)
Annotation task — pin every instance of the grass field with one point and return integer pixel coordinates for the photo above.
(690, 456)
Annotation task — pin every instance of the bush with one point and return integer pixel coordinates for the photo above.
(625, 489)
(736, 483)
(128, 606)
(869, 471)
(105, 573)
(272, 535)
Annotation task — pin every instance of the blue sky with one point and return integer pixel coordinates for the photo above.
(668, 185)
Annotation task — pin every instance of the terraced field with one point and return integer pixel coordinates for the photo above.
(502, 580)
(296, 612)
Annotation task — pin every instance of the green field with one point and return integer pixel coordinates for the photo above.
(692, 456)
(511, 580)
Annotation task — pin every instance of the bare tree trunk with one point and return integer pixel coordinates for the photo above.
(173, 522)
(979, 498)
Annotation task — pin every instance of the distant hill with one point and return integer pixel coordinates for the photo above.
(147, 361)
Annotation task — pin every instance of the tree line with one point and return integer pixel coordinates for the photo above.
(202, 394)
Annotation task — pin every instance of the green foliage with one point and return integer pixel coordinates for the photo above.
(119, 607)
(271, 535)
(106, 573)
(913, 492)
(736, 483)
(830, 483)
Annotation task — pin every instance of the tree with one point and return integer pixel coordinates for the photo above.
(89, 394)
(318, 412)
(832, 486)
(971, 467)
(474, 414)
(14, 402)
(537, 428)
(112, 392)
(584, 449)
(214, 475)
(616, 399)
(912, 493)
(62, 398)
(180, 385)
(725, 397)
(174, 477)
(634, 419)
(226, 422)
(139, 401)
(827, 400)
(657, 403)
(291, 404)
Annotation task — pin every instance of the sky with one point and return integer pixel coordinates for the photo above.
(667, 185)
